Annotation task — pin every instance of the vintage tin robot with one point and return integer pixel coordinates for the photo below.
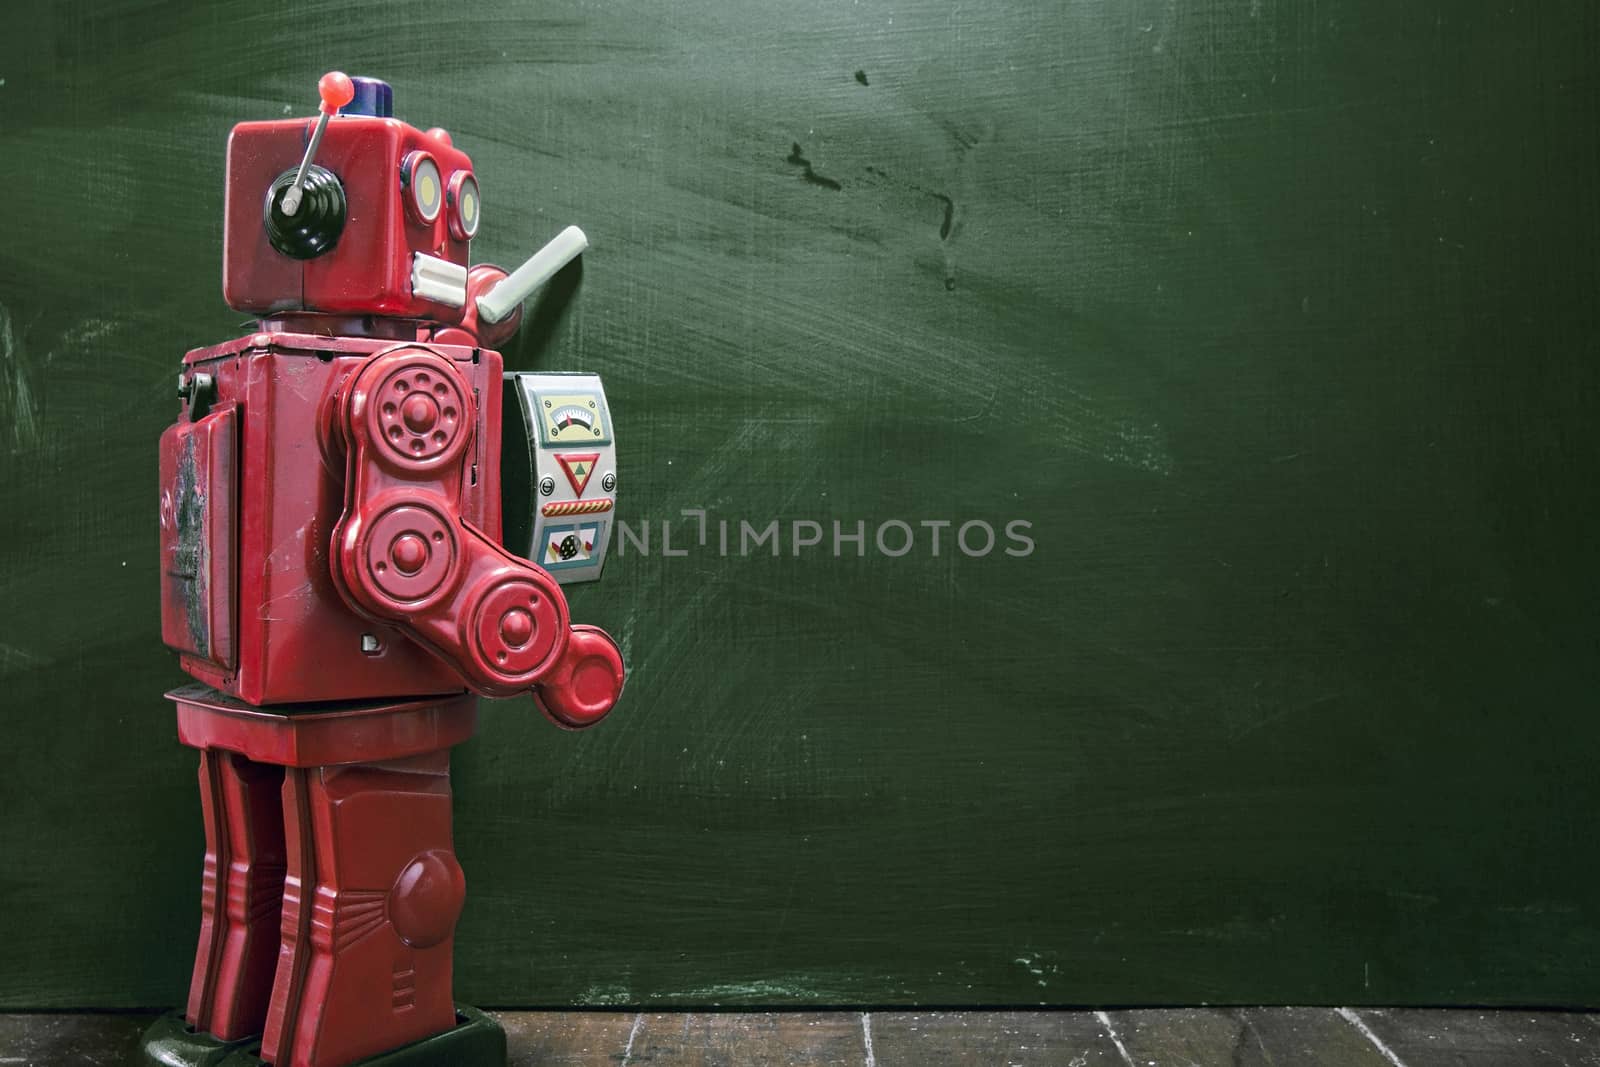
(336, 581)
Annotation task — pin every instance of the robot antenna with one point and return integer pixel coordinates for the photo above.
(336, 90)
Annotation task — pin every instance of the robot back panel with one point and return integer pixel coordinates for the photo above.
(251, 493)
(560, 472)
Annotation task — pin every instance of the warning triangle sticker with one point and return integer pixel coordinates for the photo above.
(579, 466)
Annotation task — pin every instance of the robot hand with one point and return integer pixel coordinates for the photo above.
(493, 308)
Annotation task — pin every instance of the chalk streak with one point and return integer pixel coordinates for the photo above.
(1355, 1020)
(627, 1051)
(1111, 1032)
(866, 1038)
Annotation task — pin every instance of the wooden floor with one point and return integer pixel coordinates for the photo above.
(1269, 1037)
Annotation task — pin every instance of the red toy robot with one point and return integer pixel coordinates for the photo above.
(334, 580)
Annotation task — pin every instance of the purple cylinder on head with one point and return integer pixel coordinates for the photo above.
(373, 97)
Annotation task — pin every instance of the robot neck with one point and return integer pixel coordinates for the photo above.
(310, 322)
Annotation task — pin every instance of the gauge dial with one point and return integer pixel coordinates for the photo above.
(573, 420)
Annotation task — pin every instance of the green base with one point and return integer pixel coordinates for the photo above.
(476, 1041)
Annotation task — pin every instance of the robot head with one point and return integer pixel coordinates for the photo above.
(383, 219)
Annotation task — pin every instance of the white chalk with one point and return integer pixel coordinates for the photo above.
(517, 286)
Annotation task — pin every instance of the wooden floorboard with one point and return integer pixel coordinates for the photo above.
(760, 1039)
(540, 1038)
(81, 1040)
(1448, 1038)
(1250, 1037)
(1180, 1037)
(1022, 1038)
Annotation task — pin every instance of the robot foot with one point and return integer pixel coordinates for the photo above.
(476, 1041)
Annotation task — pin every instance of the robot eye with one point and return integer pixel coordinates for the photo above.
(419, 175)
(465, 207)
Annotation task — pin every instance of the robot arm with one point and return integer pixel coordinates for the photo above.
(506, 295)
(493, 309)
(404, 554)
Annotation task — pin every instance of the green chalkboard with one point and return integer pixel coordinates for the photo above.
(1275, 323)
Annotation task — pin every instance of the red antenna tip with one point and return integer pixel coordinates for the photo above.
(336, 90)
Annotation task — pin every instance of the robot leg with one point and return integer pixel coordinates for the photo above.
(370, 904)
(242, 890)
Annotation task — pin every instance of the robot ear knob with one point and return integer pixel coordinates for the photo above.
(315, 227)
